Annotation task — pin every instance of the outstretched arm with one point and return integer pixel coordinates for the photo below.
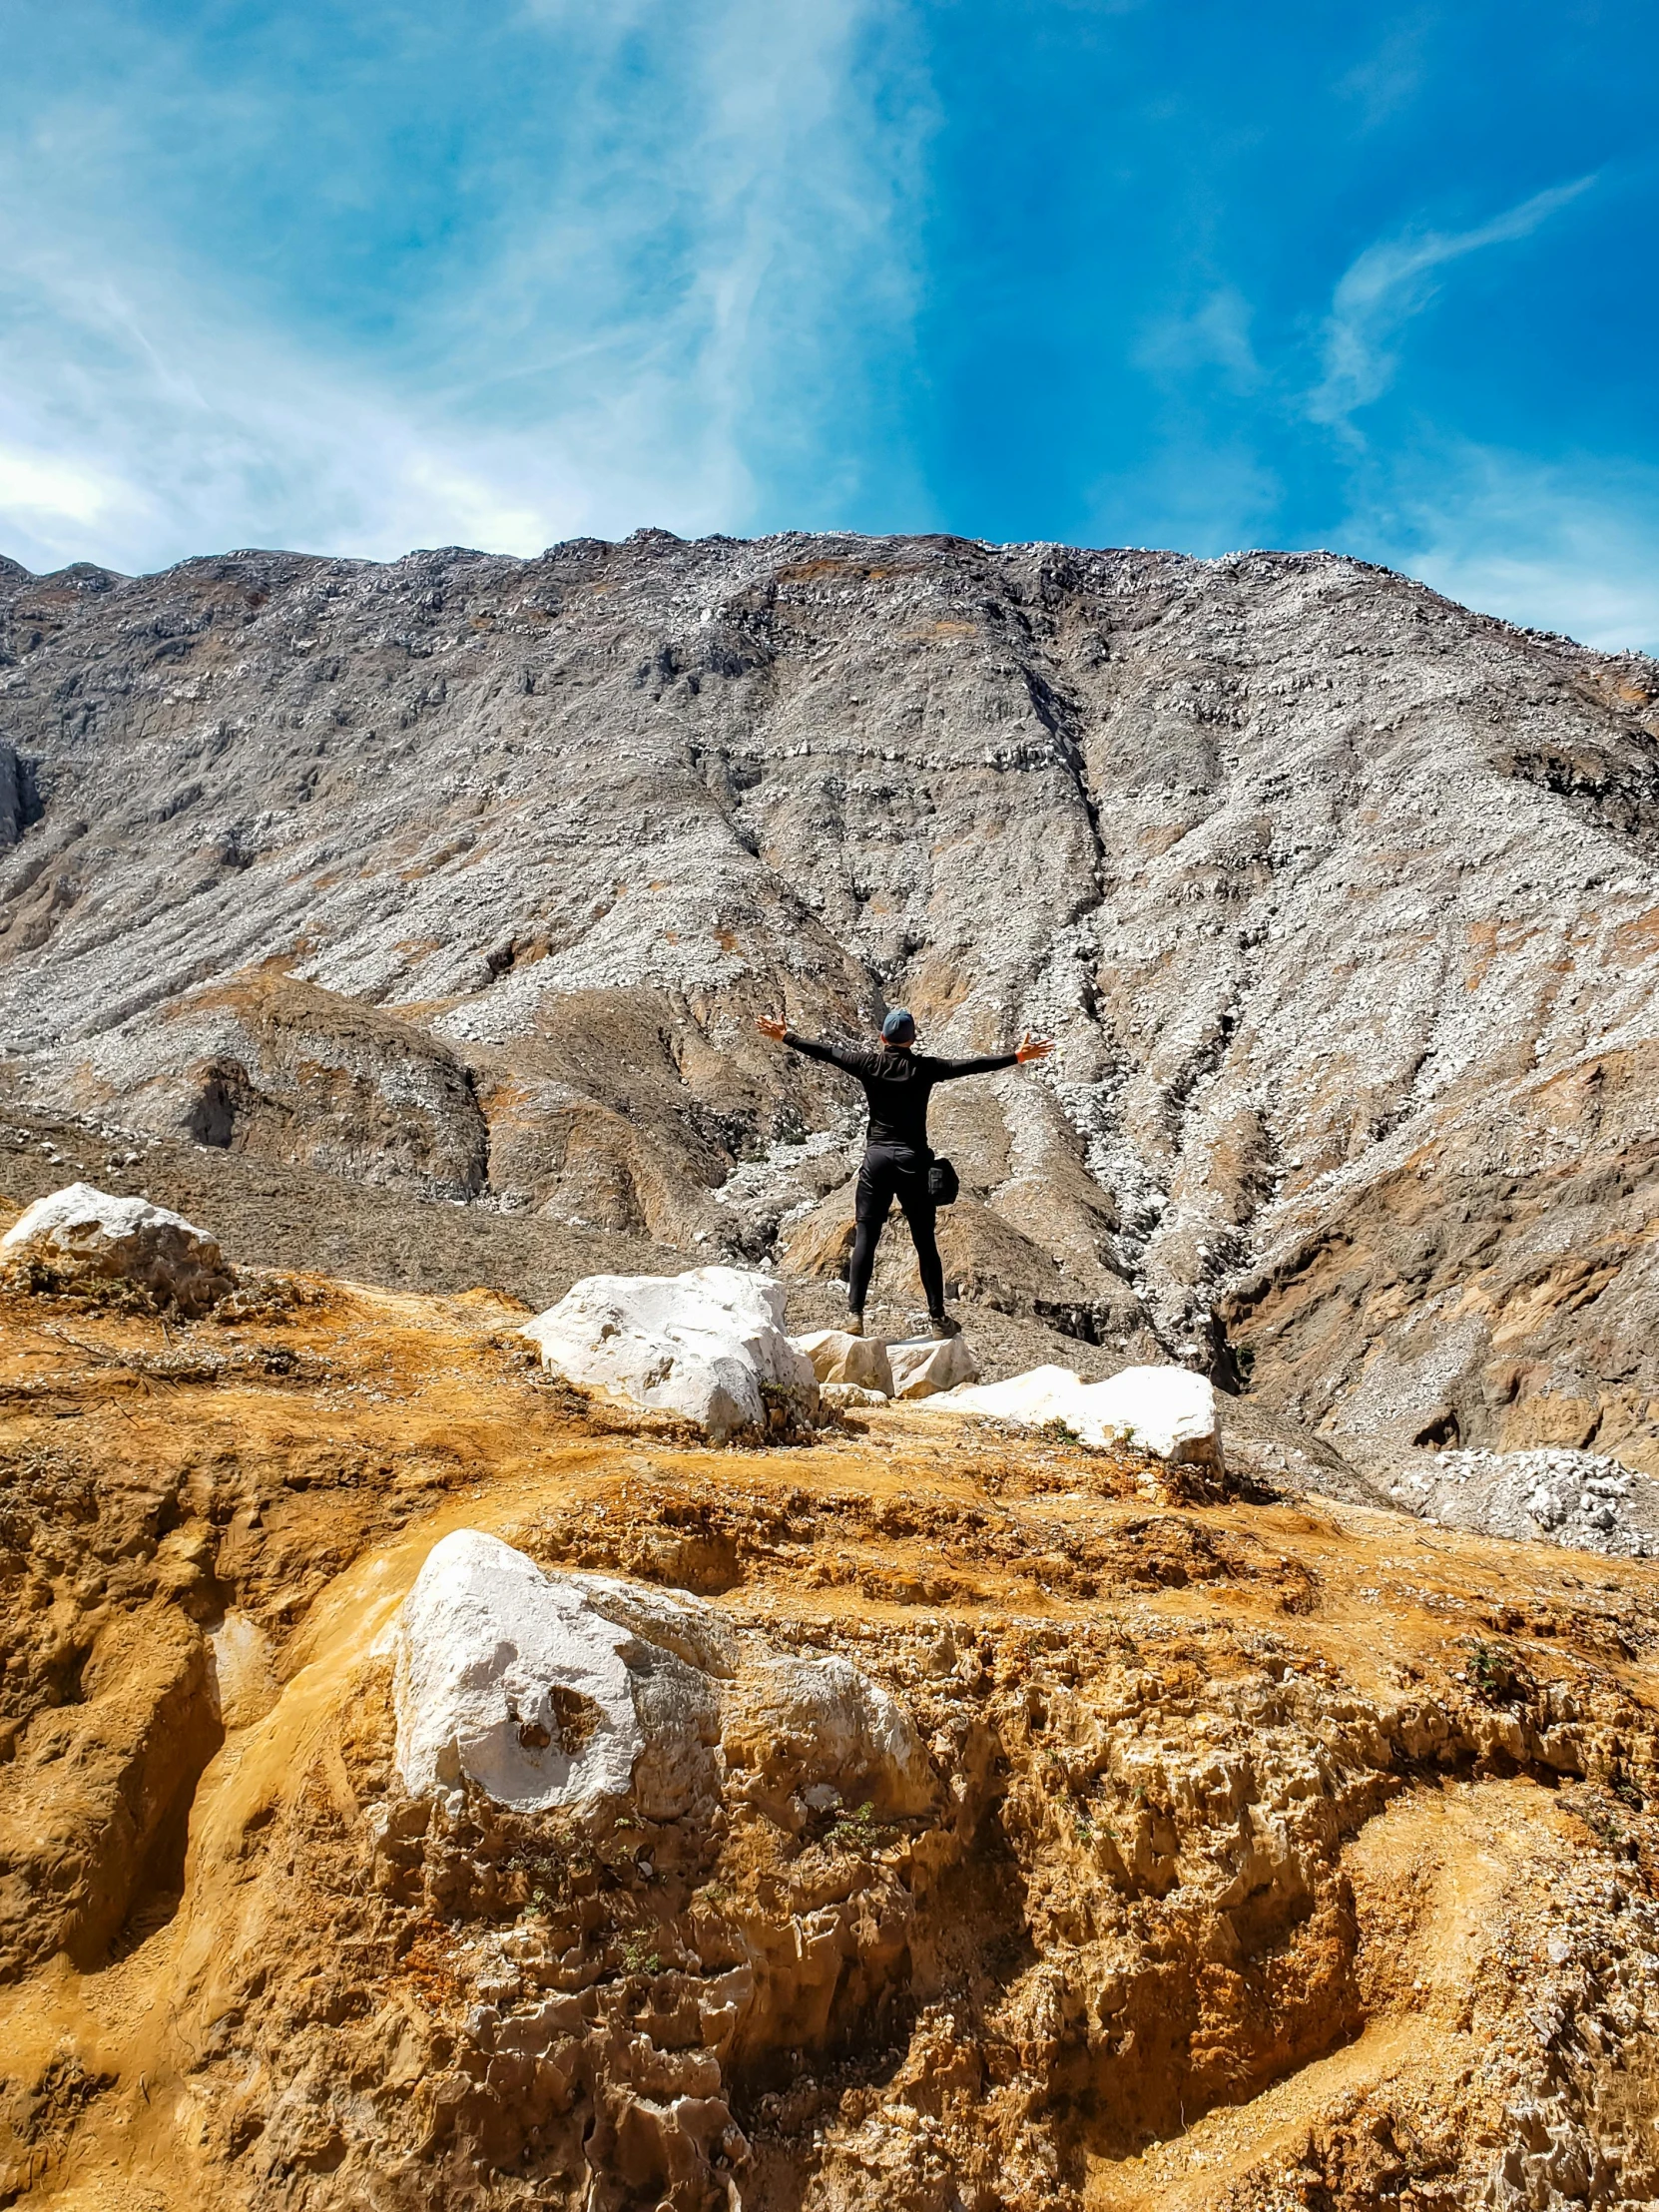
(986, 1063)
(846, 1057)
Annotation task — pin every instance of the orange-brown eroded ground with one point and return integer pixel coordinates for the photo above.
(1274, 1853)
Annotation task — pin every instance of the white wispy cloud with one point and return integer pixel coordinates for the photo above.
(1569, 545)
(1213, 335)
(729, 214)
(1391, 282)
(136, 426)
(1199, 491)
(1392, 73)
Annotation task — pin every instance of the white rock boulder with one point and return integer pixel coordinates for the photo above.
(926, 1366)
(839, 1356)
(708, 1345)
(81, 1232)
(848, 1397)
(1169, 1412)
(551, 1689)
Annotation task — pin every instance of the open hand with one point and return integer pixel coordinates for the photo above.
(1033, 1048)
(769, 1028)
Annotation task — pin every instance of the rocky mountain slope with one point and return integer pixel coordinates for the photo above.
(468, 875)
(1008, 1832)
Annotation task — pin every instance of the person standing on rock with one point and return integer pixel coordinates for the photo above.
(899, 1082)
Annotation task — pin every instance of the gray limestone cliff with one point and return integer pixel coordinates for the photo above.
(469, 875)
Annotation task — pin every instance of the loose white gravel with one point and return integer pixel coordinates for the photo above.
(1585, 1500)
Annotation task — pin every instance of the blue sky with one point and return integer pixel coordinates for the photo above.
(357, 276)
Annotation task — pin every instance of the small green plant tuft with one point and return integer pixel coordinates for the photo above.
(858, 1830)
(1059, 1432)
(637, 1956)
(1495, 1673)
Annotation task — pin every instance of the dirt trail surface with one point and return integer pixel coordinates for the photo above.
(1246, 1853)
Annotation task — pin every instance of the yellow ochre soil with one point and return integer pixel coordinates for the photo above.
(1282, 1854)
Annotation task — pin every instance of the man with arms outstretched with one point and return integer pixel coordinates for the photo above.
(899, 1082)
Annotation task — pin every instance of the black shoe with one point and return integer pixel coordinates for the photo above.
(943, 1326)
(854, 1324)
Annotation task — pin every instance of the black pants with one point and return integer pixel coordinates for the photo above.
(889, 1172)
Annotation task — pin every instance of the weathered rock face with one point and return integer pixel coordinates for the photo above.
(986, 1831)
(1341, 902)
(294, 1074)
(93, 1824)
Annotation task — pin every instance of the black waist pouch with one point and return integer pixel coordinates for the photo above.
(942, 1185)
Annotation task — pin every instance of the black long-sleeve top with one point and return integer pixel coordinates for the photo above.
(898, 1083)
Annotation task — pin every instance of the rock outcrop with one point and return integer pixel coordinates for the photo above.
(294, 1075)
(80, 1234)
(471, 873)
(924, 1365)
(520, 1683)
(708, 1345)
(840, 1358)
